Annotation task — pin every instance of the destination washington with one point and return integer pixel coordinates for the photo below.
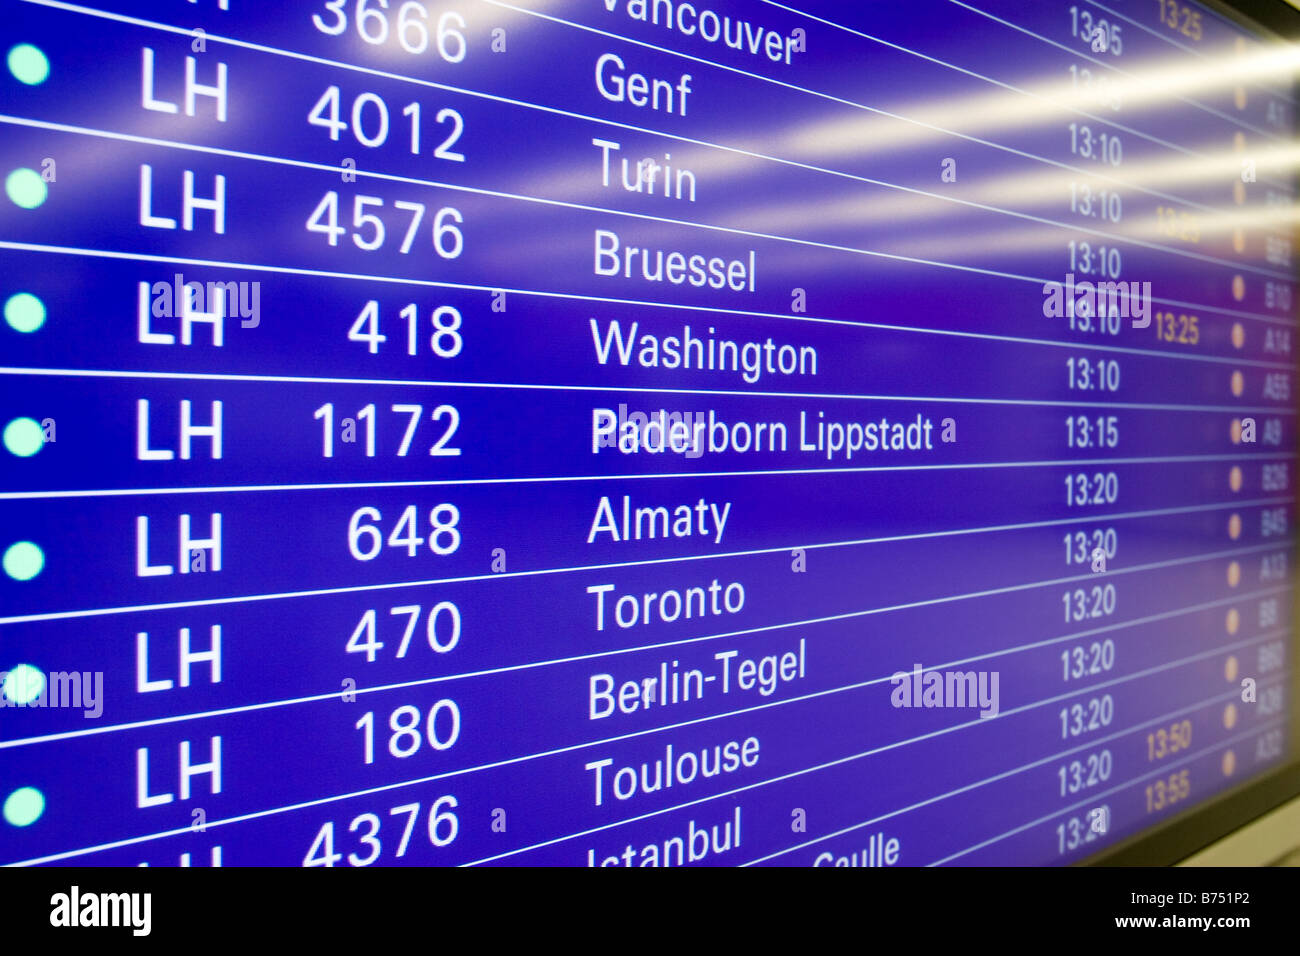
(752, 359)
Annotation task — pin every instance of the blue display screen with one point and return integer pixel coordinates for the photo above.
(620, 433)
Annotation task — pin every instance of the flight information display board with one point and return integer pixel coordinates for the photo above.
(617, 433)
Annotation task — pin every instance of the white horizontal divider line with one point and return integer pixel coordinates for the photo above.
(1175, 42)
(352, 589)
(550, 479)
(876, 750)
(939, 196)
(766, 628)
(1084, 51)
(1090, 799)
(626, 214)
(1124, 785)
(843, 101)
(637, 390)
(434, 777)
(433, 283)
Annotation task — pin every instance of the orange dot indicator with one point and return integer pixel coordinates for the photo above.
(1239, 97)
(1239, 141)
(1239, 192)
(1230, 716)
(1238, 288)
(1238, 241)
(1234, 478)
(1234, 431)
(1230, 669)
(1229, 763)
(1238, 335)
(1234, 574)
(1234, 527)
(1238, 384)
(1232, 621)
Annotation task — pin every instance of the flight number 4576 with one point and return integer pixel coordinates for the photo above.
(369, 232)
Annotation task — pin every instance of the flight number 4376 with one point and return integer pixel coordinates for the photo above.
(442, 827)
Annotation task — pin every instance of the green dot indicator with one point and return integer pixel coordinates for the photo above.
(24, 312)
(24, 806)
(25, 188)
(23, 561)
(28, 64)
(23, 684)
(23, 437)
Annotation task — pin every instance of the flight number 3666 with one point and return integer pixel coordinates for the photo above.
(370, 233)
